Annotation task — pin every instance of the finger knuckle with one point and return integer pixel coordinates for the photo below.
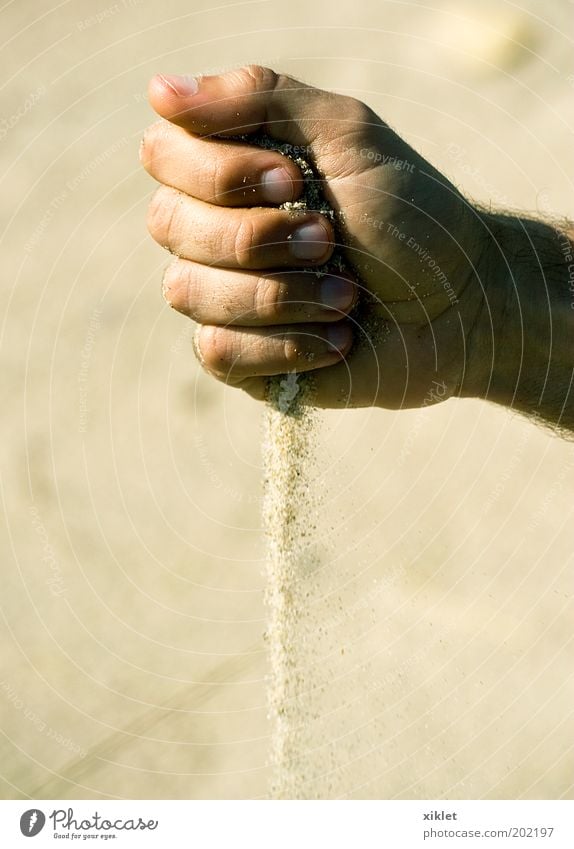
(270, 299)
(162, 215)
(170, 284)
(244, 242)
(357, 112)
(221, 184)
(215, 350)
(291, 350)
(150, 146)
(181, 288)
(260, 77)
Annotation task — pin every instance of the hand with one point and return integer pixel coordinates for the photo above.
(414, 245)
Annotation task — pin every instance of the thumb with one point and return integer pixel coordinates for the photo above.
(255, 98)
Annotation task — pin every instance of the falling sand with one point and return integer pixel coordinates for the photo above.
(289, 511)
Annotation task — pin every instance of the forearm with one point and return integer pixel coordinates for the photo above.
(523, 343)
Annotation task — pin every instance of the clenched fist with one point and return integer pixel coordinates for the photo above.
(398, 325)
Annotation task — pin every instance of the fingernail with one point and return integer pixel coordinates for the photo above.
(183, 86)
(309, 241)
(277, 186)
(336, 293)
(339, 337)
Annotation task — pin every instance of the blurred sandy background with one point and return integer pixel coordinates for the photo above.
(132, 655)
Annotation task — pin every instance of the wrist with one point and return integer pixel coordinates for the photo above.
(520, 348)
(487, 320)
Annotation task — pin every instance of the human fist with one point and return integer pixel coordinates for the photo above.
(390, 332)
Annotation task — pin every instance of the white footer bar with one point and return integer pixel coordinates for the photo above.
(289, 825)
